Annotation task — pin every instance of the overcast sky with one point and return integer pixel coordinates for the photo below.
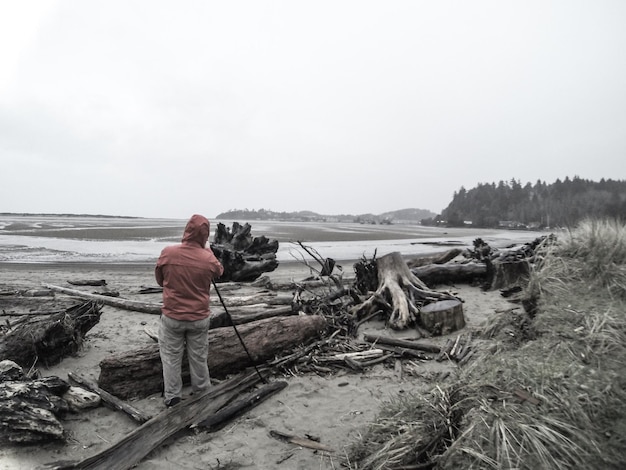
(166, 108)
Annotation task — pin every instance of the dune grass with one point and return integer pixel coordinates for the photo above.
(567, 360)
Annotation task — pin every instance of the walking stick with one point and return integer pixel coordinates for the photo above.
(237, 331)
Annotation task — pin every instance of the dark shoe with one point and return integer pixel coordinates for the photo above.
(172, 401)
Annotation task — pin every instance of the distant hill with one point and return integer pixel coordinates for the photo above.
(399, 216)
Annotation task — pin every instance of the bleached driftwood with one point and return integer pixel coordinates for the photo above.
(136, 445)
(399, 293)
(126, 304)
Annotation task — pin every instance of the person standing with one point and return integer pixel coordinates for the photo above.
(186, 271)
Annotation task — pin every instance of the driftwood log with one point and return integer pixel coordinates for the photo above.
(244, 257)
(47, 339)
(128, 452)
(127, 304)
(138, 373)
(219, 318)
(450, 273)
(29, 408)
(399, 293)
(440, 258)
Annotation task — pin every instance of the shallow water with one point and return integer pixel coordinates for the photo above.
(58, 239)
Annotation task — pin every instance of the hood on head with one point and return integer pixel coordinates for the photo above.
(197, 230)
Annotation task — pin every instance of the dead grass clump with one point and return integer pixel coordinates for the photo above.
(409, 429)
(554, 401)
(596, 251)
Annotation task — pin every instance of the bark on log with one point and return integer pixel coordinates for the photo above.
(244, 258)
(506, 273)
(443, 317)
(29, 410)
(434, 274)
(135, 446)
(50, 338)
(399, 293)
(138, 373)
(219, 318)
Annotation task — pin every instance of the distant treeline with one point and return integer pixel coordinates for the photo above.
(402, 215)
(511, 205)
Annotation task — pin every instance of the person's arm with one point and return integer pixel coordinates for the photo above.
(158, 275)
(215, 267)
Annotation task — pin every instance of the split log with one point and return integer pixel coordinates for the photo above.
(126, 304)
(217, 420)
(405, 352)
(50, 338)
(138, 373)
(244, 258)
(399, 293)
(128, 452)
(403, 343)
(442, 317)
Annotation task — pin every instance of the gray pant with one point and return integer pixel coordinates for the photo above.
(174, 336)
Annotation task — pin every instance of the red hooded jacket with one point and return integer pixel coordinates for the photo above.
(185, 272)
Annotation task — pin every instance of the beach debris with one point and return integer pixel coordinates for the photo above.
(110, 400)
(327, 265)
(245, 258)
(79, 399)
(138, 373)
(456, 349)
(439, 258)
(403, 343)
(217, 420)
(136, 445)
(48, 338)
(399, 293)
(450, 273)
(30, 408)
(151, 290)
(88, 282)
(127, 304)
(442, 317)
(310, 442)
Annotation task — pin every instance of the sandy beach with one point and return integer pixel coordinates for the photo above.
(335, 408)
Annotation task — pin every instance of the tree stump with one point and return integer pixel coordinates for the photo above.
(506, 273)
(442, 317)
(399, 293)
